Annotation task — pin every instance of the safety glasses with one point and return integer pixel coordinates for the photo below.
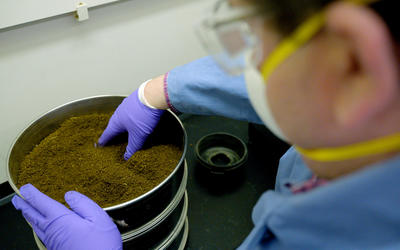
(227, 36)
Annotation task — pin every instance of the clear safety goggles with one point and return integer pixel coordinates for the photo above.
(227, 37)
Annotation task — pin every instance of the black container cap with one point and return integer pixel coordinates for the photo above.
(221, 152)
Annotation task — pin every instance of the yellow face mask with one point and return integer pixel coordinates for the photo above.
(285, 49)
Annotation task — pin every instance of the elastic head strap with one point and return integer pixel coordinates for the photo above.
(286, 48)
(298, 38)
(377, 146)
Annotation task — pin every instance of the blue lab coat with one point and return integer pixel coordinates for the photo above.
(358, 211)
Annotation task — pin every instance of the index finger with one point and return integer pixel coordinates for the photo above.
(36, 219)
(41, 202)
(112, 130)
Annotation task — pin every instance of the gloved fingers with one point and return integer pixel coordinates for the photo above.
(85, 207)
(41, 202)
(36, 219)
(40, 234)
(135, 142)
(113, 129)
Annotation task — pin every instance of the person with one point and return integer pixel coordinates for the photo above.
(323, 76)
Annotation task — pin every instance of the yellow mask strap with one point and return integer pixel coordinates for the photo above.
(286, 48)
(292, 43)
(298, 38)
(377, 146)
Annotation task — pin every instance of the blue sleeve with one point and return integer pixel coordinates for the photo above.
(292, 169)
(356, 211)
(202, 88)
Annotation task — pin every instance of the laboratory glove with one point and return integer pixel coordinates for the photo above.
(85, 226)
(134, 117)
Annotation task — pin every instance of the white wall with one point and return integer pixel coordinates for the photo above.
(51, 62)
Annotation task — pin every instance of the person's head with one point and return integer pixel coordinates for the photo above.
(342, 86)
(331, 90)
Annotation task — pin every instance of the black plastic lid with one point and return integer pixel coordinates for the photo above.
(221, 152)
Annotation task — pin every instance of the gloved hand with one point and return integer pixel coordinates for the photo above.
(86, 226)
(134, 117)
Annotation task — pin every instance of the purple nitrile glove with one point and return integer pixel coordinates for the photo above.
(134, 117)
(86, 226)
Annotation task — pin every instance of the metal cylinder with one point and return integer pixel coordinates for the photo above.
(131, 215)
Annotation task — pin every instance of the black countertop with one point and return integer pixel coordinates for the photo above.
(220, 206)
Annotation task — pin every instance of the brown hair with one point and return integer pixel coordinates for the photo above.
(288, 14)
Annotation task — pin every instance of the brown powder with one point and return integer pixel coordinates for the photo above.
(68, 160)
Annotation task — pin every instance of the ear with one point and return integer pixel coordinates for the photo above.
(370, 83)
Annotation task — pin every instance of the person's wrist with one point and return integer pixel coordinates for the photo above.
(154, 93)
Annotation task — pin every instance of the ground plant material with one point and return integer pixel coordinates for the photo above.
(68, 160)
